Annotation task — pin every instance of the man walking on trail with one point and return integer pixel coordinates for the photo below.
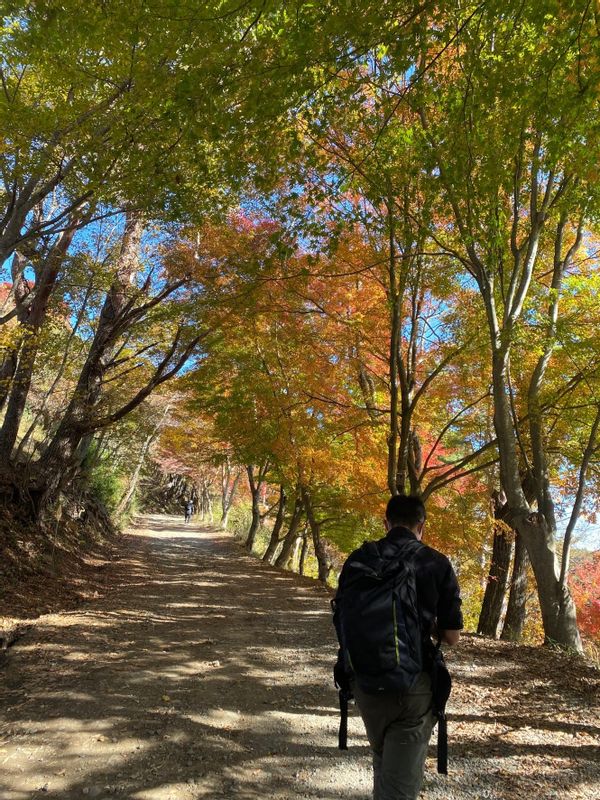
(393, 596)
(189, 510)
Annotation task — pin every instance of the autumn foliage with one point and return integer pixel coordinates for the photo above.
(585, 585)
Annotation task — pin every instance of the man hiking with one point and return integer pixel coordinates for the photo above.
(393, 596)
(189, 510)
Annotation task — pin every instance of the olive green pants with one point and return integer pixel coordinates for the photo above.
(398, 728)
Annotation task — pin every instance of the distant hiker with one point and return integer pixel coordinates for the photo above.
(189, 510)
(394, 595)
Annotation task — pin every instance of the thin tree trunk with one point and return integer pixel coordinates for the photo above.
(57, 377)
(10, 358)
(517, 598)
(303, 554)
(576, 510)
(394, 300)
(255, 485)
(404, 434)
(207, 503)
(21, 383)
(269, 554)
(323, 561)
(24, 372)
(228, 493)
(135, 476)
(289, 540)
(495, 590)
(8, 367)
(367, 387)
(255, 522)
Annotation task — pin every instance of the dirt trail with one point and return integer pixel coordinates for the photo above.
(206, 674)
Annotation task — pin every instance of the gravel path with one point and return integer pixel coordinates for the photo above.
(205, 674)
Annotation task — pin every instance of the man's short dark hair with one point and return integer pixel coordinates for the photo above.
(406, 510)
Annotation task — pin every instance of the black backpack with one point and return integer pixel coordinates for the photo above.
(378, 624)
(376, 616)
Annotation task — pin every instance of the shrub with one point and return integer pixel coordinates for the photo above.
(107, 486)
(239, 520)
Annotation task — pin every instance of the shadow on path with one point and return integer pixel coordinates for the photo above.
(206, 674)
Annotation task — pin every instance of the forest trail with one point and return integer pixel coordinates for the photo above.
(204, 673)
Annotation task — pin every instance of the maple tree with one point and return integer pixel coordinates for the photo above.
(584, 583)
(482, 102)
(379, 276)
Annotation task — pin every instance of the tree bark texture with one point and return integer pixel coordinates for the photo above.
(557, 607)
(395, 301)
(206, 502)
(323, 561)
(516, 610)
(21, 382)
(303, 555)
(229, 485)
(495, 590)
(287, 548)
(255, 484)
(269, 554)
(57, 460)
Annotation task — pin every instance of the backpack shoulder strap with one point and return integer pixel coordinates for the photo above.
(402, 551)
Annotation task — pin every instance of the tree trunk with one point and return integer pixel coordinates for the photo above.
(402, 470)
(517, 598)
(135, 477)
(8, 367)
(206, 502)
(303, 554)
(35, 320)
(255, 523)
(73, 427)
(229, 490)
(557, 607)
(269, 554)
(415, 463)
(10, 357)
(495, 590)
(323, 561)
(255, 485)
(395, 302)
(287, 548)
(21, 383)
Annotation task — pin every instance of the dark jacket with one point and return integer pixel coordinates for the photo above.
(437, 587)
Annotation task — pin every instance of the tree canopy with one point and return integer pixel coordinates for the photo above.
(308, 256)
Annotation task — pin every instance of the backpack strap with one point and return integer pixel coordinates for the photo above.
(442, 744)
(343, 731)
(441, 686)
(403, 550)
(440, 677)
